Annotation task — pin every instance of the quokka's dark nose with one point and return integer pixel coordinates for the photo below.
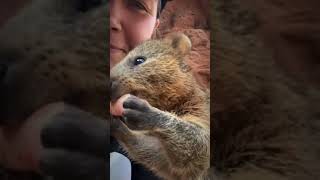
(114, 86)
(8, 84)
(9, 58)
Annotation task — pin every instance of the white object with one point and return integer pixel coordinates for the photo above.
(120, 167)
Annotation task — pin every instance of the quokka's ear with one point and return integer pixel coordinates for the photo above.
(180, 42)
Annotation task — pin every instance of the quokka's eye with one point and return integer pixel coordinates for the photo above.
(139, 60)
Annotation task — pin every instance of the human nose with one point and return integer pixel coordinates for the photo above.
(115, 16)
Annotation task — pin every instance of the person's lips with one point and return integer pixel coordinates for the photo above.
(114, 48)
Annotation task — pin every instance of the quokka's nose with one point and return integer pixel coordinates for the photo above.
(114, 90)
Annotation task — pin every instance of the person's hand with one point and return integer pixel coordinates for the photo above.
(75, 146)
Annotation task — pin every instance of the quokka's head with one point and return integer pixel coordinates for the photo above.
(155, 71)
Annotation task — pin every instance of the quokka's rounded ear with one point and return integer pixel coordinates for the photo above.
(180, 42)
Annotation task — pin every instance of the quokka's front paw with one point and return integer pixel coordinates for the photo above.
(138, 114)
(118, 129)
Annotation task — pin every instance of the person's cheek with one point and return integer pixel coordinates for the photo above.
(140, 31)
(115, 58)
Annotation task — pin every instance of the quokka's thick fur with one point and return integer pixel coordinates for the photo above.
(265, 124)
(169, 134)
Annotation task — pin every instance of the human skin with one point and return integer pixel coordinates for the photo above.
(114, 32)
(20, 142)
(27, 134)
(11, 138)
(131, 23)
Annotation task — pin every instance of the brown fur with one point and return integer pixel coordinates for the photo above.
(53, 59)
(54, 53)
(167, 84)
(265, 124)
